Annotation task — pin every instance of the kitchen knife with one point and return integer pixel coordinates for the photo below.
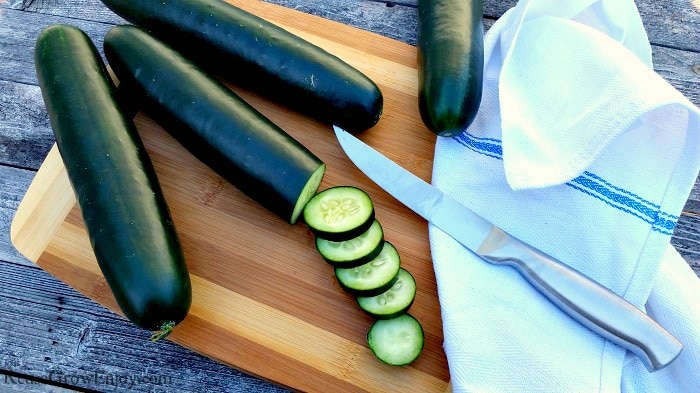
(588, 302)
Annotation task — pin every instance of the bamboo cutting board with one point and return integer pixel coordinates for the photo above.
(263, 299)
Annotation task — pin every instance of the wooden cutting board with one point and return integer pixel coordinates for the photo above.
(263, 299)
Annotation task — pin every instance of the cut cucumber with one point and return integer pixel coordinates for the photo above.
(354, 252)
(397, 341)
(339, 213)
(392, 302)
(216, 125)
(374, 277)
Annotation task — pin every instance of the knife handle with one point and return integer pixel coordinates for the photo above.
(588, 302)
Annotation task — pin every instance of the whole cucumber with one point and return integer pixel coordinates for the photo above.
(215, 124)
(125, 213)
(262, 57)
(450, 63)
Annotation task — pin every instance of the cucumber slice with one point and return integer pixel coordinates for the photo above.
(354, 252)
(339, 213)
(374, 277)
(397, 341)
(392, 302)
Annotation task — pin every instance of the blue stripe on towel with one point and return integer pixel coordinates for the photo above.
(589, 184)
(487, 146)
(654, 205)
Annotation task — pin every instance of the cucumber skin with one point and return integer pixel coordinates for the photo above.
(343, 236)
(450, 63)
(376, 291)
(369, 292)
(353, 262)
(396, 313)
(356, 262)
(125, 213)
(262, 57)
(391, 315)
(211, 121)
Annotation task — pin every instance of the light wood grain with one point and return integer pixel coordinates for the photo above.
(62, 330)
(264, 301)
(48, 200)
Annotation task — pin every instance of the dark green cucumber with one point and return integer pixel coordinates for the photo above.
(125, 213)
(339, 213)
(354, 252)
(216, 125)
(374, 277)
(260, 56)
(450, 63)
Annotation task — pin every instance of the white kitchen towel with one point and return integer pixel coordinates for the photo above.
(583, 151)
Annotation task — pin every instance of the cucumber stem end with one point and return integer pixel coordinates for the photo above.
(165, 329)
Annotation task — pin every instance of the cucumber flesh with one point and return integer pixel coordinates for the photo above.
(339, 213)
(397, 341)
(354, 252)
(308, 192)
(374, 277)
(392, 302)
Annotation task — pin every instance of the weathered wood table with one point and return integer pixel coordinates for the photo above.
(46, 327)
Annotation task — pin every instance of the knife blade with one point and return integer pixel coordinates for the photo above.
(588, 302)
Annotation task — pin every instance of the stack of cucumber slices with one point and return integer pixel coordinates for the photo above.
(352, 241)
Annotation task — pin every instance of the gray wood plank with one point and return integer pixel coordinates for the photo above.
(693, 204)
(19, 32)
(60, 332)
(396, 21)
(88, 10)
(25, 131)
(14, 184)
(13, 383)
(672, 23)
(52, 333)
(686, 239)
(680, 68)
(668, 23)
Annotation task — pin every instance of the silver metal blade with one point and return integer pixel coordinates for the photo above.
(439, 209)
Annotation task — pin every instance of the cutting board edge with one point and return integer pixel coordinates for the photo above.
(24, 234)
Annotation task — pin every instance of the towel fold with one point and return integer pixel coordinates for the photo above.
(583, 151)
